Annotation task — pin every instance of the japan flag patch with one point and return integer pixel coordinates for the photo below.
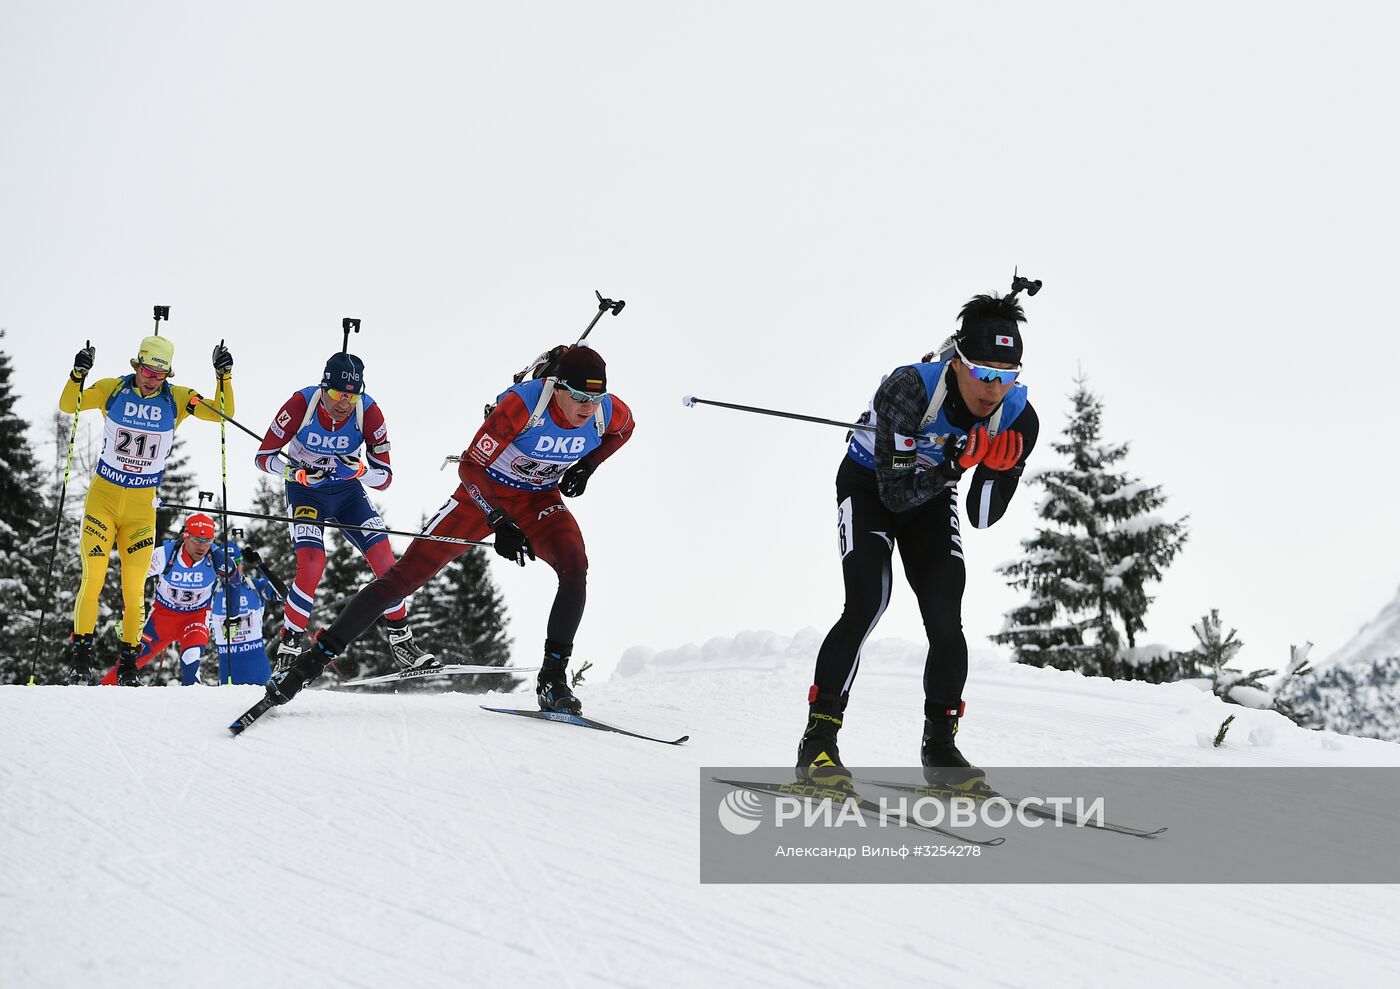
(1005, 341)
(903, 443)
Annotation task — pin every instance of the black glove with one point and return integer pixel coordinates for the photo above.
(575, 479)
(82, 362)
(310, 476)
(223, 360)
(510, 541)
(251, 559)
(954, 450)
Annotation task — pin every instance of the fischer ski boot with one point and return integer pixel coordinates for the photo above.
(944, 766)
(818, 759)
(406, 654)
(80, 660)
(286, 684)
(288, 649)
(127, 676)
(552, 687)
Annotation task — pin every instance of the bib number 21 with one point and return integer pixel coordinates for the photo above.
(145, 444)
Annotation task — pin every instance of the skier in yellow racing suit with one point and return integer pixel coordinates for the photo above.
(142, 411)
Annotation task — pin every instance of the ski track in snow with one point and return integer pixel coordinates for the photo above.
(365, 840)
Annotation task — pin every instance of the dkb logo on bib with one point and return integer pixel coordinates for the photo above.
(560, 444)
(328, 442)
(151, 413)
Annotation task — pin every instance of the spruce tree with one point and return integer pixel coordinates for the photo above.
(346, 572)
(460, 617)
(1215, 649)
(1360, 698)
(177, 487)
(273, 542)
(22, 523)
(1088, 568)
(49, 656)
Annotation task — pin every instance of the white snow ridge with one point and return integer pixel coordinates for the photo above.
(1377, 639)
(416, 840)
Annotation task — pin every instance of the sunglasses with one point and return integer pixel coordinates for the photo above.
(201, 539)
(342, 396)
(151, 372)
(587, 397)
(989, 375)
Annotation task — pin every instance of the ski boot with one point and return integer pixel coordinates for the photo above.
(944, 766)
(286, 684)
(127, 675)
(80, 660)
(818, 759)
(407, 655)
(288, 649)
(552, 688)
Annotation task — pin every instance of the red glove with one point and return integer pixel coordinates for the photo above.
(1004, 452)
(978, 444)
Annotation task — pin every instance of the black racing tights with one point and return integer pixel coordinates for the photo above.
(930, 549)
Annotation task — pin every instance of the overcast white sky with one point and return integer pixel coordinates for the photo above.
(793, 198)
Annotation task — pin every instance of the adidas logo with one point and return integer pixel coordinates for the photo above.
(97, 551)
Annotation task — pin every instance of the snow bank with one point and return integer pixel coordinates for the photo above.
(773, 651)
(415, 839)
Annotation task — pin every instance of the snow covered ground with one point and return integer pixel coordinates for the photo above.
(417, 840)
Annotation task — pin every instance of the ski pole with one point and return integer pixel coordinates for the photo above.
(690, 401)
(57, 523)
(223, 650)
(218, 410)
(604, 305)
(161, 312)
(234, 422)
(347, 324)
(542, 364)
(343, 525)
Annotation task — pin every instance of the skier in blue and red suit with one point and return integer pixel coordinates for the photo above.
(185, 581)
(319, 433)
(544, 439)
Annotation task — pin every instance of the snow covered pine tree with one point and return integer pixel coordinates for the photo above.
(1089, 567)
(23, 529)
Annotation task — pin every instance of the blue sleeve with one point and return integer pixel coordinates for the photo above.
(265, 589)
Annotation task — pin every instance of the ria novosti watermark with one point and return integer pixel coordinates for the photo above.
(742, 810)
(1053, 825)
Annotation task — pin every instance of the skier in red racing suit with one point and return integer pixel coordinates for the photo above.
(544, 439)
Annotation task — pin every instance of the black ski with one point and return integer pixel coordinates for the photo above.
(434, 671)
(866, 806)
(252, 714)
(984, 792)
(582, 722)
